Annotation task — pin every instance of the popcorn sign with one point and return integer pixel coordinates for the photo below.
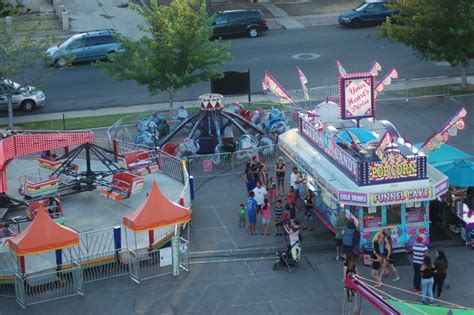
(356, 95)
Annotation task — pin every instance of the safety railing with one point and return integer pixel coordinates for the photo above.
(8, 266)
(104, 266)
(170, 165)
(228, 163)
(435, 86)
(146, 264)
(47, 286)
(95, 243)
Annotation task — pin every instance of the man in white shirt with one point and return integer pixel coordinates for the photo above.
(296, 180)
(260, 193)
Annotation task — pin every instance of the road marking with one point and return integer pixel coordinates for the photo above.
(224, 227)
(306, 56)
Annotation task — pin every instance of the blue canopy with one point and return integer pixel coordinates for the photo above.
(362, 134)
(460, 172)
(445, 153)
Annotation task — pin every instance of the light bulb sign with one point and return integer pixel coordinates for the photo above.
(356, 95)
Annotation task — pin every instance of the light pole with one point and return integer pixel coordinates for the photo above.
(8, 27)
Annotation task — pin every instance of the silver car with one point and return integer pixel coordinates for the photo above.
(27, 98)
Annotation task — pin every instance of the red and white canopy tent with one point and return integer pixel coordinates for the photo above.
(42, 235)
(156, 212)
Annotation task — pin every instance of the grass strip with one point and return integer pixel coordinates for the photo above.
(108, 120)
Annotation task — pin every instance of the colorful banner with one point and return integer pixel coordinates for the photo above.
(450, 128)
(276, 88)
(340, 69)
(350, 197)
(303, 82)
(376, 68)
(383, 143)
(402, 196)
(356, 95)
(393, 166)
(387, 80)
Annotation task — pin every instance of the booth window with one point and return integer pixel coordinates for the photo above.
(394, 214)
(354, 211)
(415, 212)
(372, 217)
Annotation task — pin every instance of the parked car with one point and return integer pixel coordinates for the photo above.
(370, 12)
(245, 21)
(27, 98)
(88, 46)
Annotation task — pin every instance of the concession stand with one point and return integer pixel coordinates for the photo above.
(362, 166)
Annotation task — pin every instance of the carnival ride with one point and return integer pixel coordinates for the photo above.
(66, 178)
(390, 305)
(214, 129)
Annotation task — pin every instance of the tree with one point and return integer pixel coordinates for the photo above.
(175, 52)
(21, 55)
(437, 30)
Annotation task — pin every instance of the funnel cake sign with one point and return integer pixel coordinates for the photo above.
(356, 95)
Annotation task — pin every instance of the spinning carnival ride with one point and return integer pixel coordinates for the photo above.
(214, 129)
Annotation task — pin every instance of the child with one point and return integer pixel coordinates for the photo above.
(266, 217)
(242, 215)
(272, 187)
(278, 210)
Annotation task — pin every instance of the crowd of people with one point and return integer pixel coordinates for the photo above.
(271, 204)
(267, 192)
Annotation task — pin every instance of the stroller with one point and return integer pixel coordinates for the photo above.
(289, 257)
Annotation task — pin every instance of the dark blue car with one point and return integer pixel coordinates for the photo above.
(371, 12)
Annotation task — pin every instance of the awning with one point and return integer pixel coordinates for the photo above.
(43, 235)
(445, 154)
(156, 212)
(460, 173)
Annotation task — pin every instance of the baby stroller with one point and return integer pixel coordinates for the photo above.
(289, 257)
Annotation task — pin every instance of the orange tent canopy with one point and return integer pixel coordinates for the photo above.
(43, 235)
(157, 211)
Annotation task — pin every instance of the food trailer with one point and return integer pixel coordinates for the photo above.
(382, 187)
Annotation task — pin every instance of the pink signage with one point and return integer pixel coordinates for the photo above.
(356, 95)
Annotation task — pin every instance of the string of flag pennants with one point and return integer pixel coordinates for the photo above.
(450, 128)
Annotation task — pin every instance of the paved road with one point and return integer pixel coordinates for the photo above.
(84, 87)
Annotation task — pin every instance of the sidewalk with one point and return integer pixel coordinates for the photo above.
(106, 14)
(164, 106)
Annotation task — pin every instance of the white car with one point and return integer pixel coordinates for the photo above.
(27, 98)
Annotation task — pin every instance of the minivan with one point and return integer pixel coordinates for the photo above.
(245, 21)
(370, 12)
(87, 46)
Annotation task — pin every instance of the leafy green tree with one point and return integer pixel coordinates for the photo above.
(437, 30)
(175, 51)
(21, 55)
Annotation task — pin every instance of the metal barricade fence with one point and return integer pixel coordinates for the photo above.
(8, 267)
(435, 86)
(48, 286)
(95, 243)
(184, 254)
(147, 264)
(104, 266)
(228, 163)
(170, 165)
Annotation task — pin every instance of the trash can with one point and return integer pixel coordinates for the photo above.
(367, 250)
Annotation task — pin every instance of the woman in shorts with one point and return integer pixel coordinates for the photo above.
(280, 175)
(388, 261)
(376, 264)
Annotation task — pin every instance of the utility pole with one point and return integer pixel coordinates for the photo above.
(8, 27)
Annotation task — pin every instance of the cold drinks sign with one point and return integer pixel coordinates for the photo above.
(356, 95)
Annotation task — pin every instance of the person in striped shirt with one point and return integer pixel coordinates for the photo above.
(419, 252)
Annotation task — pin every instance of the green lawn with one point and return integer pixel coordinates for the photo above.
(106, 121)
